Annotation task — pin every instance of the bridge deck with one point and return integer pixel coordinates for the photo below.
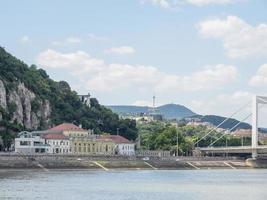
(232, 149)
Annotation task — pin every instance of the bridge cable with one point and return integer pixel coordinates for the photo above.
(226, 119)
(232, 128)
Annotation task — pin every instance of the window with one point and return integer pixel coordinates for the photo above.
(25, 143)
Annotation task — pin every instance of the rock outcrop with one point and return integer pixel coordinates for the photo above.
(18, 103)
(2, 95)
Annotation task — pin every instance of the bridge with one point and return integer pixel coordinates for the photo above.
(261, 150)
(255, 149)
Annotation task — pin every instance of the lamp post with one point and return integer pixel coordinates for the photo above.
(177, 143)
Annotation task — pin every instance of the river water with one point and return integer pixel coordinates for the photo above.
(134, 185)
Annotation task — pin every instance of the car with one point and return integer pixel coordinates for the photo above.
(146, 158)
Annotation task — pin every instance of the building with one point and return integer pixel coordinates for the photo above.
(81, 141)
(85, 99)
(59, 143)
(92, 146)
(247, 133)
(68, 138)
(69, 130)
(26, 143)
(123, 145)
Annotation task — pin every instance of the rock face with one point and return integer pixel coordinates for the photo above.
(2, 95)
(19, 102)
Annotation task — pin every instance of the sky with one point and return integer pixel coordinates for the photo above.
(209, 55)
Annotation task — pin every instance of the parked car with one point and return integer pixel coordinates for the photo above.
(146, 158)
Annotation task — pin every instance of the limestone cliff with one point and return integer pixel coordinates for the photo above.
(18, 104)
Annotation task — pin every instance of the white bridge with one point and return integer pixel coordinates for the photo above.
(255, 149)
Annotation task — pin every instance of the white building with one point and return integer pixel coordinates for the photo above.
(59, 143)
(26, 143)
(123, 145)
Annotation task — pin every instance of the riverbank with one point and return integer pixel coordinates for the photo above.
(15, 161)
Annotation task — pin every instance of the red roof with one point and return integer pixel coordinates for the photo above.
(55, 136)
(66, 127)
(116, 138)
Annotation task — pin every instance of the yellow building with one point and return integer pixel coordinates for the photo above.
(94, 146)
(81, 142)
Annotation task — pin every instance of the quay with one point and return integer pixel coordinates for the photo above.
(105, 162)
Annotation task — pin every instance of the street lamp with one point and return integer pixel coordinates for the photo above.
(177, 143)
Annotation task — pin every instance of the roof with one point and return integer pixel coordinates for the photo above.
(52, 136)
(66, 127)
(116, 138)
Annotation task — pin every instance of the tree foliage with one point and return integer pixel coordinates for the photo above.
(160, 136)
(65, 104)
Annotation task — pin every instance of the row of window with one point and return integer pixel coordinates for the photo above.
(78, 135)
(60, 150)
(62, 142)
(127, 147)
(93, 149)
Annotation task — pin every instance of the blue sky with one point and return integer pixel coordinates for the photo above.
(209, 55)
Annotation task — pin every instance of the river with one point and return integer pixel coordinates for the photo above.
(134, 185)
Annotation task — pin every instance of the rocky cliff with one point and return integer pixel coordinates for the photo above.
(17, 103)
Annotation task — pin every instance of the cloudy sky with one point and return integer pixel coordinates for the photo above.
(209, 55)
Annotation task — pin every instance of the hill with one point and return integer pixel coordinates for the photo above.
(170, 111)
(30, 100)
(216, 120)
(182, 113)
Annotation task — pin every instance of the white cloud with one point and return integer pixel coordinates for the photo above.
(211, 77)
(225, 104)
(73, 40)
(77, 63)
(25, 39)
(161, 3)
(56, 43)
(239, 39)
(170, 4)
(142, 103)
(97, 37)
(260, 78)
(77, 40)
(209, 2)
(121, 50)
(99, 76)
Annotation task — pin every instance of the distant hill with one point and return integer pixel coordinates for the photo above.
(129, 110)
(179, 112)
(216, 120)
(170, 111)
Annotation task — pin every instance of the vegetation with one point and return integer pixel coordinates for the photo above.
(65, 104)
(160, 136)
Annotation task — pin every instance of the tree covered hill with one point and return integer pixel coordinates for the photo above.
(170, 111)
(181, 113)
(30, 100)
(216, 120)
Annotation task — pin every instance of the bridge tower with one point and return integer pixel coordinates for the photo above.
(255, 109)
